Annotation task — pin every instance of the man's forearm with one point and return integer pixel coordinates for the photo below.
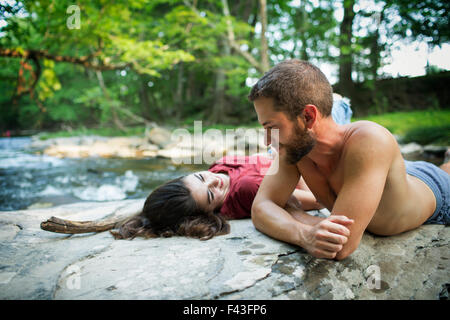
(301, 216)
(323, 238)
(277, 223)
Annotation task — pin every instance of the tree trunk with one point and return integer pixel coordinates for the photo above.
(376, 48)
(345, 43)
(144, 98)
(303, 26)
(264, 46)
(116, 119)
(190, 86)
(179, 92)
(219, 91)
(219, 96)
(247, 10)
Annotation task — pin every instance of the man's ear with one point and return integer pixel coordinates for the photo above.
(309, 115)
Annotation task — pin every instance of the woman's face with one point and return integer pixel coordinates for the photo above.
(208, 189)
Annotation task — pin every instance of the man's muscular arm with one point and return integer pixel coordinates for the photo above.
(367, 160)
(323, 240)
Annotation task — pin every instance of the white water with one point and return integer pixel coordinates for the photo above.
(27, 178)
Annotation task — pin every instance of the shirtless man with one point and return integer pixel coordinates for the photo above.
(355, 170)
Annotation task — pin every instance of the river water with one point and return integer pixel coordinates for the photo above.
(27, 178)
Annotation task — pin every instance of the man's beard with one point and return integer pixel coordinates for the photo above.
(299, 145)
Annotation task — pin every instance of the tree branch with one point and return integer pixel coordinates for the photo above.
(39, 54)
(85, 61)
(234, 44)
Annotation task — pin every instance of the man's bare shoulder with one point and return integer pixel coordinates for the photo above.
(368, 128)
(367, 144)
(362, 136)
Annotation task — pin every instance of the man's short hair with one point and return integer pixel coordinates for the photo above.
(293, 84)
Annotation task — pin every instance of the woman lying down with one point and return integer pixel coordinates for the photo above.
(199, 204)
(196, 205)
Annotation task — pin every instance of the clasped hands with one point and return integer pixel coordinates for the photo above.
(325, 238)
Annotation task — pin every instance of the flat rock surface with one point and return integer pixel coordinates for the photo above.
(245, 264)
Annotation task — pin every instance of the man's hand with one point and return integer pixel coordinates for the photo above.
(327, 237)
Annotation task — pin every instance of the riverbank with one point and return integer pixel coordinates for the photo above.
(180, 145)
(424, 132)
(185, 147)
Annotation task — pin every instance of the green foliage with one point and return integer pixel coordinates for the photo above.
(432, 69)
(429, 135)
(144, 56)
(170, 61)
(424, 127)
(311, 27)
(427, 20)
(48, 82)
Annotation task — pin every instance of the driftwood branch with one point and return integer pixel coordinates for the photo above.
(59, 225)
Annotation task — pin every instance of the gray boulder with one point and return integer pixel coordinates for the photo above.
(245, 264)
(159, 136)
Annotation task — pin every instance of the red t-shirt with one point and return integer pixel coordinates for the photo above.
(246, 174)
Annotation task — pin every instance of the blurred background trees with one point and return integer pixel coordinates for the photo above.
(135, 62)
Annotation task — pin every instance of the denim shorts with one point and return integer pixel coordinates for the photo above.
(439, 182)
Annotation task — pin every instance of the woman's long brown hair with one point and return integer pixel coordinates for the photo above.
(171, 210)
